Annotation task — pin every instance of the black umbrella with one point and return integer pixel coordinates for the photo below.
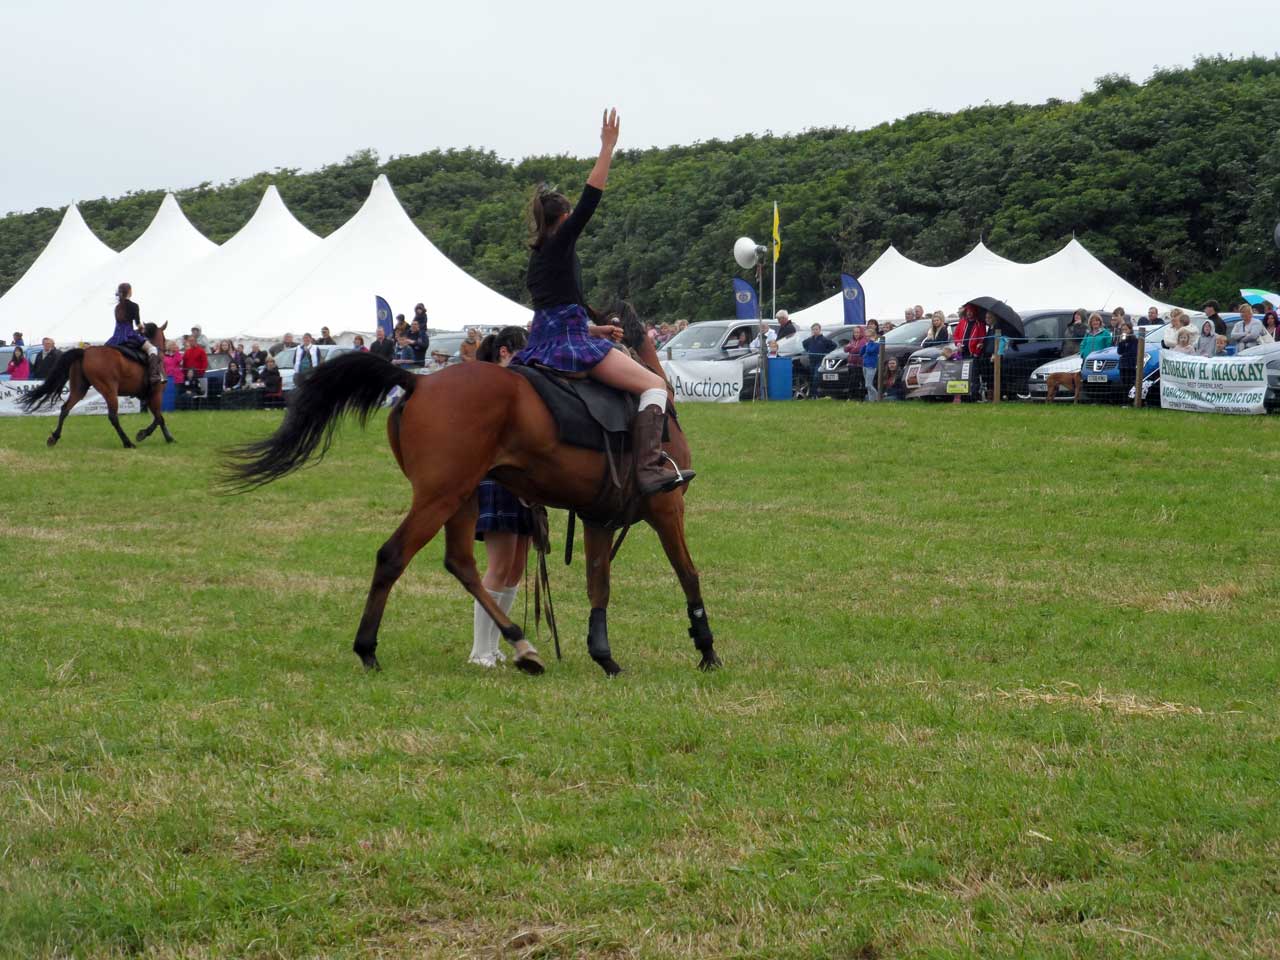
(1005, 316)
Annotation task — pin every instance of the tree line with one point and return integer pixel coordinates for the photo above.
(1174, 183)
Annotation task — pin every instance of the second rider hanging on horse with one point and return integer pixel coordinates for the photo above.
(563, 336)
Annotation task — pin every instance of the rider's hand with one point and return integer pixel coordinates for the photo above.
(609, 129)
(608, 332)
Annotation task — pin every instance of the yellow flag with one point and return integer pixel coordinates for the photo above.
(777, 237)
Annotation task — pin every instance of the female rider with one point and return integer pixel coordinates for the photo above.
(562, 335)
(128, 333)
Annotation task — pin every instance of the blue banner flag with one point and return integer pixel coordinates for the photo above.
(744, 300)
(855, 300)
(386, 321)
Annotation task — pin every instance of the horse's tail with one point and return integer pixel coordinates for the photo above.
(50, 392)
(356, 383)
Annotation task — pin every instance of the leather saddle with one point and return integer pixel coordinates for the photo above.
(131, 353)
(587, 414)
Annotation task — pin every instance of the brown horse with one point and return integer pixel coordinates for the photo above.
(113, 375)
(451, 429)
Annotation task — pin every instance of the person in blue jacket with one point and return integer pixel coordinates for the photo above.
(871, 358)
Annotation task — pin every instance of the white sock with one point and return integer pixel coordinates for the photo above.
(485, 634)
(506, 598)
(654, 398)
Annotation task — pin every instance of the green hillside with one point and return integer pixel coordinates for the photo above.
(1174, 183)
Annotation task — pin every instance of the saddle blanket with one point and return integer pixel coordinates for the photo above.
(585, 412)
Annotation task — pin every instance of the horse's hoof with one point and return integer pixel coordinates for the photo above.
(608, 665)
(139, 436)
(530, 663)
(130, 446)
(370, 661)
(51, 442)
(170, 440)
(709, 662)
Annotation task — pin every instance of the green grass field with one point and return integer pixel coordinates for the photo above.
(999, 682)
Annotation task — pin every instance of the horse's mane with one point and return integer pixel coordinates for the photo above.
(624, 315)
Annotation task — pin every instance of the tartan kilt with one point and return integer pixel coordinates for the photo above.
(501, 510)
(558, 339)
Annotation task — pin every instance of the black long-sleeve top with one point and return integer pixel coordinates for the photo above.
(554, 277)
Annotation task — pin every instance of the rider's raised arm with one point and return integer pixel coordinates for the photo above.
(608, 140)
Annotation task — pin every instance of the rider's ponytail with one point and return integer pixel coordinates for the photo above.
(545, 210)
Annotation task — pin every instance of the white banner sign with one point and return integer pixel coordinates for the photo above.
(705, 381)
(93, 402)
(1212, 384)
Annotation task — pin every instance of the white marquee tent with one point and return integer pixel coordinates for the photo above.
(273, 276)
(59, 274)
(166, 248)
(1072, 277)
(221, 291)
(381, 252)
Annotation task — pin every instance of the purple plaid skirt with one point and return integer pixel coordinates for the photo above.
(501, 510)
(558, 338)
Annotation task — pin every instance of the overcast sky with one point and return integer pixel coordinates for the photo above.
(106, 97)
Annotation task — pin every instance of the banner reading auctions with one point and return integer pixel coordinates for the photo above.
(1212, 384)
(707, 381)
(93, 402)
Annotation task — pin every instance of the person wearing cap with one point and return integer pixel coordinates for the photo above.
(17, 339)
(198, 336)
(1210, 310)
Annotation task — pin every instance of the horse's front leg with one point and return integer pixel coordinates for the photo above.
(598, 544)
(666, 516)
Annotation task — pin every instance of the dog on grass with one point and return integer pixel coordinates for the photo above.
(1063, 380)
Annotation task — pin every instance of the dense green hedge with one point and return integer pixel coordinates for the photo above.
(1174, 183)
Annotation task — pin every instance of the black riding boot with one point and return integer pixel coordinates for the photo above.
(655, 471)
(155, 368)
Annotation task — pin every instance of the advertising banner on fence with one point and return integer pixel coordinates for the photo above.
(11, 390)
(705, 381)
(1212, 384)
(937, 377)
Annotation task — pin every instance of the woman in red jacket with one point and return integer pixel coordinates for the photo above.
(195, 362)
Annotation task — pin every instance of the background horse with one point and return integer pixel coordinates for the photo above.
(451, 429)
(113, 375)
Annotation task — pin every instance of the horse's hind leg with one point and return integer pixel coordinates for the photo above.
(460, 560)
(77, 391)
(417, 529)
(666, 515)
(599, 543)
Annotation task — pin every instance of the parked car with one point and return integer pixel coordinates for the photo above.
(835, 379)
(1271, 353)
(1043, 340)
(1100, 379)
(793, 347)
(6, 354)
(284, 361)
(444, 350)
(1038, 382)
(711, 340)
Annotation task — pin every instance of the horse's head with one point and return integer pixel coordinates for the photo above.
(154, 334)
(624, 315)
